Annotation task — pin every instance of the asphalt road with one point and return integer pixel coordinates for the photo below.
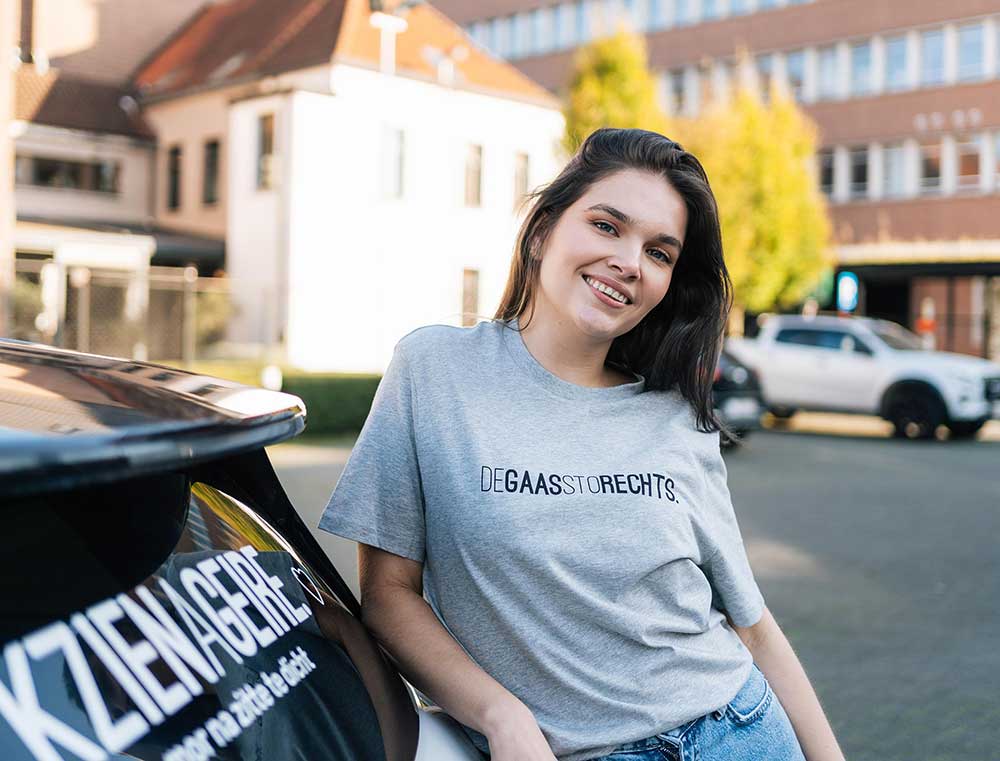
(879, 558)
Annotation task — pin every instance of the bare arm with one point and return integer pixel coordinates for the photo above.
(394, 610)
(774, 655)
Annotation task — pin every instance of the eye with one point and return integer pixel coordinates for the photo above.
(665, 256)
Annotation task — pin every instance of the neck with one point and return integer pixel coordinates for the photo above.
(564, 351)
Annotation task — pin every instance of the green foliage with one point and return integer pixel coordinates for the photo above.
(335, 402)
(775, 230)
(611, 86)
(27, 306)
(213, 310)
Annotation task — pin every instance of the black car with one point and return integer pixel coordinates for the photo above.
(161, 597)
(737, 396)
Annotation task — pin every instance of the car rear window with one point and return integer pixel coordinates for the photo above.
(161, 618)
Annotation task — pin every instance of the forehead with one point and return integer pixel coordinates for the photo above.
(646, 197)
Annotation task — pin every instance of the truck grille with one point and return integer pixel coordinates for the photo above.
(992, 388)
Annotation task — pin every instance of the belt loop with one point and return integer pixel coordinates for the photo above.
(718, 713)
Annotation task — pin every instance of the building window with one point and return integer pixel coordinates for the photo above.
(765, 5)
(829, 73)
(501, 36)
(765, 72)
(825, 161)
(795, 67)
(678, 92)
(861, 68)
(971, 56)
(967, 164)
(470, 297)
(859, 172)
(996, 160)
(682, 12)
(94, 176)
(523, 38)
(894, 170)
(210, 173)
(473, 175)
(930, 168)
(520, 178)
(393, 156)
(709, 10)
(656, 14)
(174, 178)
(582, 21)
(265, 151)
(739, 7)
(562, 26)
(932, 57)
(896, 60)
(545, 38)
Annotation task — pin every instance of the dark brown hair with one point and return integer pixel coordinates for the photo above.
(677, 344)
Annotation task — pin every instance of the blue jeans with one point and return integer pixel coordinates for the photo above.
(753, 726)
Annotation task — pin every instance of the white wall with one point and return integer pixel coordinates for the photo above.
(255, 249)
(364, 270)
(129, 205)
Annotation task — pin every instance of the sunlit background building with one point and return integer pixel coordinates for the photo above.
(906, 94)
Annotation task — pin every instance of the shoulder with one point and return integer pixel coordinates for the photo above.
(680, 415)
(443, 345)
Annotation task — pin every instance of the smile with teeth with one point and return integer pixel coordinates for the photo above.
(607, 290)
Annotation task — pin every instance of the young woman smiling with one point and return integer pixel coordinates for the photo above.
(580, 614)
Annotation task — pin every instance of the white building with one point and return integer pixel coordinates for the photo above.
(367, 167)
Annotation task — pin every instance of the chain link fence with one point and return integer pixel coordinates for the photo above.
(167, 314)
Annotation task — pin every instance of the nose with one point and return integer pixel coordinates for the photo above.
(626, 260)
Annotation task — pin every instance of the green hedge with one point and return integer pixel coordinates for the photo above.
(335, 402)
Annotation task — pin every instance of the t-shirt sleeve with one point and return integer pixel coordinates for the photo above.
(734, 589)
(378, 499)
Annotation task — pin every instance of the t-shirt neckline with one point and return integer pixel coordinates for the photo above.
(553, 383)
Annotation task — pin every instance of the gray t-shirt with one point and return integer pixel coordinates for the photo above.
(579, 543)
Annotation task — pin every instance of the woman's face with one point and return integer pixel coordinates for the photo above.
(625, 233)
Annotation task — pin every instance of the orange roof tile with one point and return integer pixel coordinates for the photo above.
(235, 40)
(60, 100)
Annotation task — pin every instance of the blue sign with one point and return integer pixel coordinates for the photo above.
(847, 292)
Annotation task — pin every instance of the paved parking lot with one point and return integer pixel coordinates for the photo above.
(880, 559)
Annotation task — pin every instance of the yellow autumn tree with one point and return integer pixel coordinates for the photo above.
(775, 228)
(611, 86)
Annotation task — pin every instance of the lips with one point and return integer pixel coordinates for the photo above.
(611, 284)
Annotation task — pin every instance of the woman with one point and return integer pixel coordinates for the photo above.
(551, 482)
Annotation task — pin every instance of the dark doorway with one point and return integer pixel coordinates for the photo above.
(888, 299)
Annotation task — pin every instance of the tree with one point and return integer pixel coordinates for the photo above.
(760, 162)
(611, 86)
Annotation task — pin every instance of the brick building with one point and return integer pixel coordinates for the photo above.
(906, 94)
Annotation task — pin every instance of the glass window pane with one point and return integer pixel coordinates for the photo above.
(861, 68)
(971, 56)
(858, 187)
(825, 160)
(893, 170)
(968, 164)
(738, 7)
(930, 167)
(795, 71)
(709, 10)
(829, 78)
(682, 12)
(657, 14)
(932, 57)
(896, 54)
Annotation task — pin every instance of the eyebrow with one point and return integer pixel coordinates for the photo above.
(621, 216)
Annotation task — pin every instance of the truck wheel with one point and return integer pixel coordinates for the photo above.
(782, 413)
(965, 429)
(915, 415)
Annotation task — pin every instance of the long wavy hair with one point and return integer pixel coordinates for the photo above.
(677, 344)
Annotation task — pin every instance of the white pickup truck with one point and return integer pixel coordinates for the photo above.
(869, 366)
